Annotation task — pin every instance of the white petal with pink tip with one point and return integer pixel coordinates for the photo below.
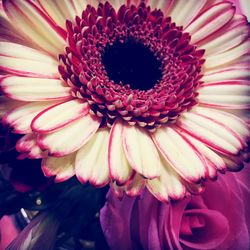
(227, 73)
(183, 14)
(21, 60)
(62, 168)
(28, 145)
(228, 56)
(140, 151)
(211, 132)
(28, 68)
(71, 137)
(49, 7)
(209, 154)
(224, 101)
(225, 39)
(235, 123)
(92, 160)
(168, 185)
(59, 115)
(239, 87)
(67, 8)
(180, 154)
(229, 94)
(21, 117)
(35, 25)
(79, 5)
(15, 50)
(118, 163)
(210, 21)
(34, 89)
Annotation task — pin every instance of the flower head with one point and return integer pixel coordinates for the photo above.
(133, 93)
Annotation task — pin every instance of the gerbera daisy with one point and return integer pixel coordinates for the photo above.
(132, 93)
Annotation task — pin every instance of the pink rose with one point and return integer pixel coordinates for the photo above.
(215, 220)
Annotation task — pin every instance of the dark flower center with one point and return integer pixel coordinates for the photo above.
(132, 63)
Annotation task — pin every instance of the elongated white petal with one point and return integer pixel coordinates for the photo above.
(211, 132)
(234, 73)
(62, 168)
(34, 89)
(61, 10)
(28, 145)
(234, 122)
(25, 67)
(140, 151)
(183, 14)
(228, 56)
(10, 49)
(59, 115)
(167, 185)
(67, 8)
(36, 25)
(51, 8)
(158, 188)
(118, 164)
(241, 63)
(71, 137)
(209, 154)
(24, 61)
(234, 34)
(210, 21)
(211, 171)
(21, 117)
(239, 87)
(180, 154)
(92, 160)
(225, 94)
(225, 101)
(80, 6)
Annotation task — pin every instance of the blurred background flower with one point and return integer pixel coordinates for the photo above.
(218, 219)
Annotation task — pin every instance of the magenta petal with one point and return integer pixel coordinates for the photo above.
(146, 221)
(115, 220)
(243, 178)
